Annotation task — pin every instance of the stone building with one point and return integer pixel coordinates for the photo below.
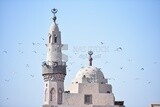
(89, 88)
(155, 105)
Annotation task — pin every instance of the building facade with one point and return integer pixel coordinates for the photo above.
(89, 88)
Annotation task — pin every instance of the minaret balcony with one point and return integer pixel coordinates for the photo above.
(54, 69)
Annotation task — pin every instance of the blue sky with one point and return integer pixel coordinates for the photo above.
(132, 25)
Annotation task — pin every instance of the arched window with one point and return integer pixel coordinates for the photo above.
(52, 94)
(49, 38)
(45, 96)
(59, 96)
(55, 38)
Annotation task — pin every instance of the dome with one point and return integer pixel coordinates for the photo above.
(90, 74)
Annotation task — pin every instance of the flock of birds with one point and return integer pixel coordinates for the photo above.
(71, 63)
(22, 52)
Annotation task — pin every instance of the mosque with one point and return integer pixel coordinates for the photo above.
(89, 88)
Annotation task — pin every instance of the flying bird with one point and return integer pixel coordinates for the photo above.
(7, 80)
(5, 51)
(32, 76)
(20, 51)
(129, 60)
(102, 43)
(118, 49)
(106, 62)
(121, 67)
(27, 65)
(20, 43)
(149, 82)
(34, 51)
(142, 68)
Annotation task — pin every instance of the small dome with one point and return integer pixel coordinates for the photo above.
(90, 74)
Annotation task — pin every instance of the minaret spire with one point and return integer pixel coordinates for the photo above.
(53, 69)
(90, 57)
(54, 11)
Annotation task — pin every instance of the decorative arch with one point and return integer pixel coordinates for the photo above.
(59, 96)
(52, 94)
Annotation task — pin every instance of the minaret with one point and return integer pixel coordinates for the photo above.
(53, 69)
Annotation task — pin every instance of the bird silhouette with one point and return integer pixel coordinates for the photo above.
(142, 68)
(102, 43)
(27, 65)
(121, 67)
(20, 43)
(106, 62)
(5, 51)
(20, 51)
(7, 80)
(34, 51)
(32, 76)
(149, 82)
(129, 60)
(119, 49)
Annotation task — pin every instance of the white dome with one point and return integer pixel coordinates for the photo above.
(90, 74)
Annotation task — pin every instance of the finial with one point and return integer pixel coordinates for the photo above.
(90, 58)
(54, 11)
